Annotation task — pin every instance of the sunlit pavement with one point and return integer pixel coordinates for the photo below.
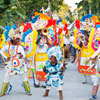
(73, 88)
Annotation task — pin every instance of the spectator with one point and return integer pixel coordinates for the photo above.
(73, 50)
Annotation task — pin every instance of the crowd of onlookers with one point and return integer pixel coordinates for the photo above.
(70, 50)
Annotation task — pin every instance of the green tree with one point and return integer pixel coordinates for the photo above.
(87, 5)
(12, 11)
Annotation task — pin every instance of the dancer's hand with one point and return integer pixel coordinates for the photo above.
(87, 61)
(27, 60)
(21, 56)
(8, 59)
(63, 68)
(38, 40)
(88, 69)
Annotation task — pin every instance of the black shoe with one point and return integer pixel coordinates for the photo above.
(36, 86)
(72, 62)
(84, 82)
(43, 86)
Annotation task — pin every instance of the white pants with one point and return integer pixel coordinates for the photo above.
(7, 77)
(37, 82)
(58, 88)
(85, 78)
(95, 80)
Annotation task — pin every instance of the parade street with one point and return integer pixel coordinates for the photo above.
(73, 88)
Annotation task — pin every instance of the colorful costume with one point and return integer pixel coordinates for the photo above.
(94, 46)
(40, 59)
(15, 65)
(54, 72)
(54, 76)
(81, 41)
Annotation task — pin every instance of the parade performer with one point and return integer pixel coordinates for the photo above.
(95, 78)
(83, 34)
(42, 45)
(47, 36)
(16, 62)
(95, 60)
(61, 30)
(54, 71)
(82, 44)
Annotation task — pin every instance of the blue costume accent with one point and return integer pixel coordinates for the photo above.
(25, 34)
(58, 21)
(35, 19)
(54, 74)
(97, 26)
(88, 16)
(41, 44)
(7, 29)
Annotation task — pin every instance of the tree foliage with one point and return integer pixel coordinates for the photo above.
(12, 11)
(93, 5)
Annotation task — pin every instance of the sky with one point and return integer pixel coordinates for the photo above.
(71, 3)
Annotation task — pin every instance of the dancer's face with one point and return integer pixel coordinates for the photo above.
(53, 60)
(40, 32)
(16, 41)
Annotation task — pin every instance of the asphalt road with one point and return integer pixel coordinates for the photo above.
(73, 89)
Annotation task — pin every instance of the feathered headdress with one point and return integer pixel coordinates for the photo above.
(88, 16)
(12, 32)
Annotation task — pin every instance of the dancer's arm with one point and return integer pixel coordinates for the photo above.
(48, 40)
(94, 55)
(45, 70)
(38, 40)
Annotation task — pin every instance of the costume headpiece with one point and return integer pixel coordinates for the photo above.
(12, 32)
(55, 51)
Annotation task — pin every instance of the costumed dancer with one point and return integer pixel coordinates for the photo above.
(84, 39)
(42, 45)
(62, 31)
(81, 42)
(54, 71)
(95, 78)
(39, 22)
(16, 64)
(95, 58)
